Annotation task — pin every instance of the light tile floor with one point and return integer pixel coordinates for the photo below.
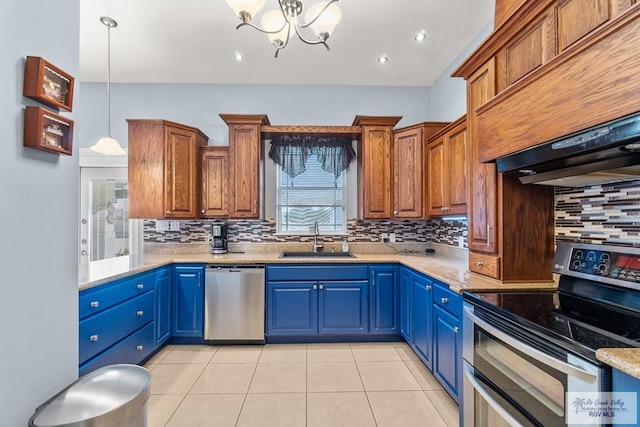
(281, 385)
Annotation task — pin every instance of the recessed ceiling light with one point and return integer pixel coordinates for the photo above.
(238, 56)
(422, 35)
(382, 59)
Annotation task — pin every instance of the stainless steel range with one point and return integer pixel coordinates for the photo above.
(523, 351)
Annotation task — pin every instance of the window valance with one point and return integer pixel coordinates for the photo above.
(292, 153)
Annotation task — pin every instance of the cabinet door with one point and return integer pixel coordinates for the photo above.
(407, 148)
(405, 290)
(375, 177)
(447, 352)
(214, 182)
(292, 308)
(422, 318)
(162, 317)
(245, 158)
(384, 304)
(188, 301)
(343, 307)
(436, 173)
(483, 227)
(457, 149)
(181, 180)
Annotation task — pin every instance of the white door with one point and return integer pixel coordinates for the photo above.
(104, 222)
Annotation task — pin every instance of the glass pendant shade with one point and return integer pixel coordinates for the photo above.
(273, 21)
(325, 22)
(249, 6)
(108, 145)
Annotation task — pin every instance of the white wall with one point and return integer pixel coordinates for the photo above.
(449, 94)
(39, 217)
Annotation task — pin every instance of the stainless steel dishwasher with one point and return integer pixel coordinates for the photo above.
(234, 303)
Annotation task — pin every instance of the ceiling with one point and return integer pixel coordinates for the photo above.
(194, 41)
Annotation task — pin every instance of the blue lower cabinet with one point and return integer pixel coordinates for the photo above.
(342, 308)
(292, 308)
(625, 383)
(162, 307)
(133, 349)
(188, 301)
(447, 354)
(384, 300)
(405, 290)
(422, 318)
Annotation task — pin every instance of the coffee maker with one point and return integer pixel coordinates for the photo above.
(219, 237)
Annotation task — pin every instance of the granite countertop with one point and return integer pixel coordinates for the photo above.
(446, 266)
(625, 359)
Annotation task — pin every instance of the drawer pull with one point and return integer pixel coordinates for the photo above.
(139, 313)
(456, 329)
(140, 347)
(428, 287)
(444, 300)
(94, 304)
(140, 286)
(479, 263)
(93, 338)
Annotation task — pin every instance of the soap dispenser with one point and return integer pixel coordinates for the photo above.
(345, 246)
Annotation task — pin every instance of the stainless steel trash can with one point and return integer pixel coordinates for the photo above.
(112, 396)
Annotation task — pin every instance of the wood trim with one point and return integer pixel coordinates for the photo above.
(236, 119)
(167, 123)
(376, 120)
(269, 131)
(448, 127)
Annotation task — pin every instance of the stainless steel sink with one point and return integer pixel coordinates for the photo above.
(292, 254)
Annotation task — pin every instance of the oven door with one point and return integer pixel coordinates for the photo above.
(513, 377)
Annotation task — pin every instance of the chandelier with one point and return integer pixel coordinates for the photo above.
(280, 24)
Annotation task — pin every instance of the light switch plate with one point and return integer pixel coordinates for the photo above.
(162, 225)
(392, 237)
(174, 225)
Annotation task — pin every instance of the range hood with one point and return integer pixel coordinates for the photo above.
(605, 153)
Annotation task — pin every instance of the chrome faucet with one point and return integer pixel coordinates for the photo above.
(316, 246)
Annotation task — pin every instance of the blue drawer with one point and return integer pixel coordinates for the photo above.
(100, 298)
(315, 272)
(99, 332)
(133, 349)
(448, 300)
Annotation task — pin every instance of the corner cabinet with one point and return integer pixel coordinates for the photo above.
(164, 169)
(215, 188)
(409, 168)
(447, 170)
(384, 302)
(246, 158)
(162, 309)
(375, 167)
(188, 301)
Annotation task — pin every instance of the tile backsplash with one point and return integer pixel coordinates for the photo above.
(602, 214)
(359, 231)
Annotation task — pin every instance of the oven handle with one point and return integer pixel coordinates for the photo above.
(559, 365)
(468, 372)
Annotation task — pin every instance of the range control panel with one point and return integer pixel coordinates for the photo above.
(609, 264)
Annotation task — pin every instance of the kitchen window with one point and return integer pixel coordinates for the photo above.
(313, 195)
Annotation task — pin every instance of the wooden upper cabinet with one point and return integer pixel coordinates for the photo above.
(483, 208)
(214, 182)
(577, 18)
(408, 170)
(375, 167)
(164, 169)
(245, 165)
(447, 170)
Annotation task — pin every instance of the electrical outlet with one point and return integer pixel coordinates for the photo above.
(392, 237)
(162, 225)
(461, 241)
(174, 225)
(384, 237)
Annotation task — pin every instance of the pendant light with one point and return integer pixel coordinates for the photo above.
(108, 145)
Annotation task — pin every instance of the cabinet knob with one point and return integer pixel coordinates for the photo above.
(479, 263)
(140, 286)
(94, 304)
(395, 212)
(456, 329)
(93, 338)
(202, 211)
(444, 300)
(428, 287)
(140, 347)
(168, 213)
(139, 313)
(321, 287)
(315, 287)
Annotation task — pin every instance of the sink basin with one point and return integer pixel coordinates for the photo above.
(291, 254)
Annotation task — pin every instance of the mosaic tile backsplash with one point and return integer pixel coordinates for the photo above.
(602, 214)
(264, 231)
